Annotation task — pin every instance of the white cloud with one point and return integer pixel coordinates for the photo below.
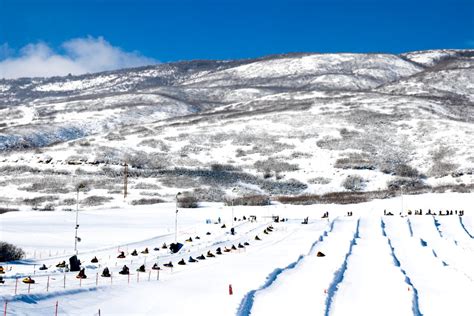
(5, 51)
(78, 56)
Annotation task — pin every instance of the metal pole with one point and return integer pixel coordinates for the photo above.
(270, 204)
(401, 196)
(176, 220)
(176, 226)
(77, 217)
(233, 197)
(232, 212)
(125, 181)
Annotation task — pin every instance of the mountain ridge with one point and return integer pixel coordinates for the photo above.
(272, 118)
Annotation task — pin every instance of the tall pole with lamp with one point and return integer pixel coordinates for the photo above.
(176, 219)
(270, 203)
(233, 197)
(401, 196)
(76, 239)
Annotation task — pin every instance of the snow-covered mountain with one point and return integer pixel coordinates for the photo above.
(286, 125)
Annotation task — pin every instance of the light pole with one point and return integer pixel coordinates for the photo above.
(270, 203)
(176, 219)
(401, 196)
(233, 191)
(80, 186)
(232, 211)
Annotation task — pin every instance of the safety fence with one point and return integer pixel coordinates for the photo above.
(58, 282)
(55, 309)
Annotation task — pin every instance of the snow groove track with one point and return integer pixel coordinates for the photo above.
(339, 274)
(441, 289)
(464, 227)
(396, 262)
(246, 304)
(446, 238)
(308, 278)
(371, 281)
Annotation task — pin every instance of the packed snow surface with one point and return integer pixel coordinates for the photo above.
(373, 264)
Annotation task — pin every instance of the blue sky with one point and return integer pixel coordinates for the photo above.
(184, 29)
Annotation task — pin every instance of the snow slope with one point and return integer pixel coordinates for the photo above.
(373, 264)
(288, 124)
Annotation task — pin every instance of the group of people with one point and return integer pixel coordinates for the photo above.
(219, 251)
(126, 271)
(429, 212)
(440, 212)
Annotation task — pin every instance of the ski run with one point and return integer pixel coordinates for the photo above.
(365, 264)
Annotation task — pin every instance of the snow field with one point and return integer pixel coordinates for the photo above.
(440, 289)
(372, 284)
(310, 278)
(374, 264)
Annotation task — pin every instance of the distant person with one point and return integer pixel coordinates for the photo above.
(125, 270)
(28, 280)
(82, 274)
(106, 273)
(61, 264)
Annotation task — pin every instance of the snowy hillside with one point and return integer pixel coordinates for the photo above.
(285, 125)
(364, 264)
